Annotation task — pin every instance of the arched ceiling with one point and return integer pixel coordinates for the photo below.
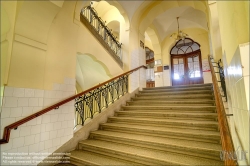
(131, 7)
(102, 7)
(166, 23)
(107, 12)
(162, 14)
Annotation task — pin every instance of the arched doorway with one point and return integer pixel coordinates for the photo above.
(186, 63)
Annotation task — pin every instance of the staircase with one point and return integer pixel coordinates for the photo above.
(160, 126)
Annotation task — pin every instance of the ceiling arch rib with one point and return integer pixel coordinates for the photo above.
(154, 37)
(149, 15)
(140, 10)
(189, 17)
(121, 11)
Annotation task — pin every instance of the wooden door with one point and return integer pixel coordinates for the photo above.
(194, 73)
(178, 70)
(150, 84)
(187, 69)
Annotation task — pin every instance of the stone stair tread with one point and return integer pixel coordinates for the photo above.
(173, 94)
(178, 89)
(170, 103)
(171, 97)
(168, 110)
(182, 86)
(176, 92)
(168, 120)
(173, 101)
(169, 113)
(153, 156)
(184, 144)
(158, 95)
(96, 159)
(173, 107)
(164, 129)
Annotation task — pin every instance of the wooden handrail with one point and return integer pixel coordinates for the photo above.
(226, 141)
(7, 129)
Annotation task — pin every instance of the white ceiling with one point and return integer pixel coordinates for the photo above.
(166, 23)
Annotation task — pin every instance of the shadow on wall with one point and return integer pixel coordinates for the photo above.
(90, 72)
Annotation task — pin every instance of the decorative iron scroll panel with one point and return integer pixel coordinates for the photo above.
(96, 100)
(220, 71)
(99, 25)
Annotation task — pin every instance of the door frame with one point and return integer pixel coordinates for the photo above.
(185, 57)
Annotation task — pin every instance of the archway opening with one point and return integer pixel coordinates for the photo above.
(115, 26)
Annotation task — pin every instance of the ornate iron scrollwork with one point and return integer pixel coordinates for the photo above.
(98, 99)
(91, 15)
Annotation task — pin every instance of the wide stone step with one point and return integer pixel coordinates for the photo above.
(170, 110)
(194, 133)
(176, 92)
(79, 157)
(151, 114)
(175, 97)
(173, 102)
(178, 96)
(176, 89)
(181, 86)
(164, 130)
(183, 108)
(198, 149)
(176, 122)
(142, 155)
(191, 95)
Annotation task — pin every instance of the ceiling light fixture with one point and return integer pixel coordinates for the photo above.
(180, 34)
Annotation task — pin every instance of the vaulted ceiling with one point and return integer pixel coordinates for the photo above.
(161, 14)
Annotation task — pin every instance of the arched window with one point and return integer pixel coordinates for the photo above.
(185, 46)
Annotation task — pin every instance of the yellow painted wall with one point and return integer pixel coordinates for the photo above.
(214, 29)
(46, 42)
(87, 44)
(8, 14)
(198, 35)
(234, 25)
(62, 44)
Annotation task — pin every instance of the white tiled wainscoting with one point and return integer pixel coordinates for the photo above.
(45, 133)
(137, 78)
(237, 83)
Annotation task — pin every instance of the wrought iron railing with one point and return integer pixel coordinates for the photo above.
(98, 99)
(220, 72)
(87, 104)
(98, 24)
(226, 140)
